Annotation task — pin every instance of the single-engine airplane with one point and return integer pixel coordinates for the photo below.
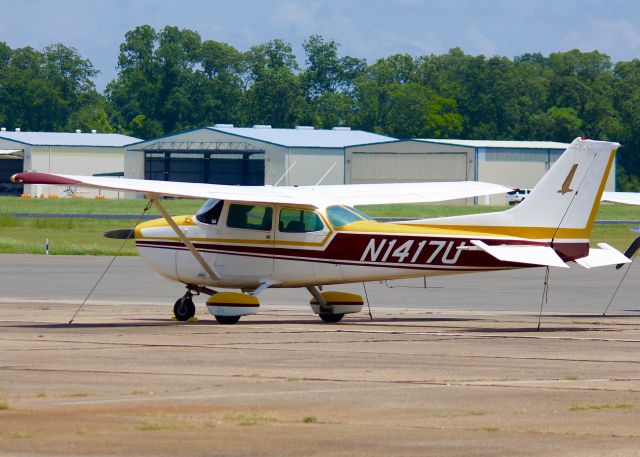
(252, 238)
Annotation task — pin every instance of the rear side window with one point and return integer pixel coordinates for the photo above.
(250, 217)
(299, 221)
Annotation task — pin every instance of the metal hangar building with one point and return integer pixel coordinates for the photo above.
(54, 152)
(518, 164)
(224, 154)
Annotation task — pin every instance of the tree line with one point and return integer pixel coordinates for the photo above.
(171, 79)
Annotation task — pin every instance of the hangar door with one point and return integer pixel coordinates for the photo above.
(212, 163)
(380, 167)
(11, 162)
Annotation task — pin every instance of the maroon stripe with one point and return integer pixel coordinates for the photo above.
(348, 249)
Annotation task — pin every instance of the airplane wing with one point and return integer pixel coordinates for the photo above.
(629, 198)
(348, 194)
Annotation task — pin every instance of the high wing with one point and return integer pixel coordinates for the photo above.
(348, 194)
(629, 198)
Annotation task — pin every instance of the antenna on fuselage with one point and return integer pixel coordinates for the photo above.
(325, 175)
(285, 174)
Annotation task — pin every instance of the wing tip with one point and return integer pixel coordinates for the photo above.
(33, 177)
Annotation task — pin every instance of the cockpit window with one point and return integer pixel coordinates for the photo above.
(251, 217)
(343, 215)
(299, 221)
(209, 213)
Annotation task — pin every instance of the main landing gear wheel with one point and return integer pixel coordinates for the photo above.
(331, 318)
(227, 319)
(184, 309)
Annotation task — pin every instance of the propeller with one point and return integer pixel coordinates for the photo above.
(120, 234)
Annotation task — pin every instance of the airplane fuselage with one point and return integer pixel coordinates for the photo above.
(359, 250)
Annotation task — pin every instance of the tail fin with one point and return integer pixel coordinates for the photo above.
(563, 204)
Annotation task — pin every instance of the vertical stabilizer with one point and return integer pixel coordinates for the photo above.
(562, 205)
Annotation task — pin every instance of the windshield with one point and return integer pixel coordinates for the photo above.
(209, 213)
(343, 215)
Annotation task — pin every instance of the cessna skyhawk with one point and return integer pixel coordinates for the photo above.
(252, 238)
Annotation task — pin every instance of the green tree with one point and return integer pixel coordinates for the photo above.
(273, 96)
(557, 124)
(40, 90)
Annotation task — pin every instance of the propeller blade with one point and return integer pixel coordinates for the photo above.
(120, 234)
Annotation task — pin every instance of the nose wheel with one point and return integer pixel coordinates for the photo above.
(184, 309)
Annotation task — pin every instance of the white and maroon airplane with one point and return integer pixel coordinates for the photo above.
(252, 238)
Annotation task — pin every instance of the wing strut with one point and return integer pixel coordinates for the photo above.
(182, 236)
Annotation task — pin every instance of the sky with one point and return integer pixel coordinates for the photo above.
(365, 29)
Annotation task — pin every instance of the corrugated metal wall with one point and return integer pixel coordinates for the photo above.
(411, 167)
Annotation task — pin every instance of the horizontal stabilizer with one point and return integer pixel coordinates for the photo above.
(607, 255)
(534, 255)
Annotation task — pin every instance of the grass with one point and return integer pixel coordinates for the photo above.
(600, 406)
(134, 207)
(4, 403)
(84, 236)
(570, 377)
(490, 429)
(66, 236)
(309, 419)
(77, 394)
(250, 419)
(156, 426)
(20, 435)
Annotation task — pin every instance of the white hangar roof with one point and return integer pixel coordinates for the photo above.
(111, 140)
(499, 144)
(304, 137)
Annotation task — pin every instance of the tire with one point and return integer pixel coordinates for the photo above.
(331, 318)
(227, 320)
(184, 309)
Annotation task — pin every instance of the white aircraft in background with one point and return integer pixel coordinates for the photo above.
(252, 238)
(628, 198)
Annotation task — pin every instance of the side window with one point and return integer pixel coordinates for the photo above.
(299, 221)
(209, 213)
(251, 217)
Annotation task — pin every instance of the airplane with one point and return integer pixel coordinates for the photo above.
(627, 198)
(258, 237)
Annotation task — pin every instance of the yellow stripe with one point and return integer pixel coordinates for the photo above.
(596, 203)
(414, 229)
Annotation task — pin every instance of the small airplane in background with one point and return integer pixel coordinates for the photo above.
(627, 198)
(253, 238)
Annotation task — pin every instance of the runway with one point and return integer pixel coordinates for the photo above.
(457, 369)
(130, 282)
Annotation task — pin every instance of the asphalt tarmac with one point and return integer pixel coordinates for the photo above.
(456, 369)
(129, 282)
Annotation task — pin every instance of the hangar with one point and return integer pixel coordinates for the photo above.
(510, 163)
(224, 154)
(68, 153)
